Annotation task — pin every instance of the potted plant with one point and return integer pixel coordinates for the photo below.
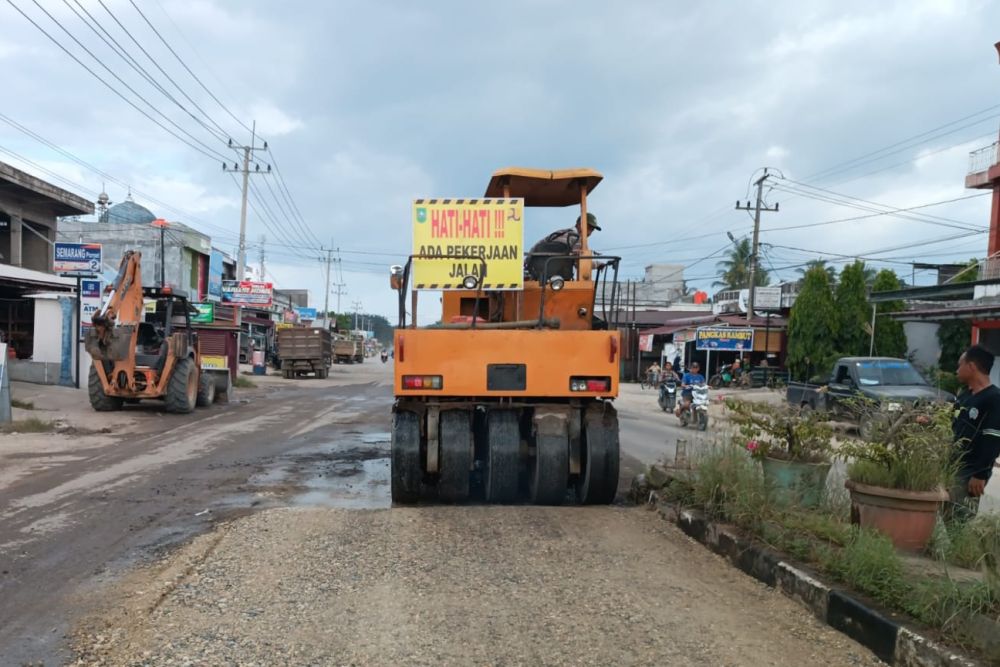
(898, 474)
(793, 446)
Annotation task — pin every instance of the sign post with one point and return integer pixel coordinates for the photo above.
(454, 239)
(79, 260)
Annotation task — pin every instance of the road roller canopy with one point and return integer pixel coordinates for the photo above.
(543, 187)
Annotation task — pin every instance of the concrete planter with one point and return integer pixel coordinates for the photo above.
(795, 481)
(905, 517)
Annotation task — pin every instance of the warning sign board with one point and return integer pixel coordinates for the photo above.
(456, 238)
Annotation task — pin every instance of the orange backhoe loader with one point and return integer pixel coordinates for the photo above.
(510, 394)
(139, 355)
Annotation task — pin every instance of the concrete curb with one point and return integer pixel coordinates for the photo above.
(890, 640)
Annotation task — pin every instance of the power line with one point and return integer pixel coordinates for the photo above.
(198, 145)
(185, 66)
(881, 213)
(219, 131)
(842, 166)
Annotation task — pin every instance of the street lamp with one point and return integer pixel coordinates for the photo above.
(162, 225)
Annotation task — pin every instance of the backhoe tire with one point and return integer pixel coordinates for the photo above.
(98, 399)
(182, 389)
(206, 390)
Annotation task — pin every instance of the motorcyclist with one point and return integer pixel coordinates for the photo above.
(668, 373)
(691, 378)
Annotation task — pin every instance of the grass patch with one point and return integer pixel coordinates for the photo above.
(242, 383)
(30, 425)
(729, 486)
(23, 405)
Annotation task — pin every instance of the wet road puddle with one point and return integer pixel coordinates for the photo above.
(352, 473)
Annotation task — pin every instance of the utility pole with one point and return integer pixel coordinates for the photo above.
(248, 151)
(326, 299)
(357, 309)
(261, 257)
(340, 292)
(757, 208)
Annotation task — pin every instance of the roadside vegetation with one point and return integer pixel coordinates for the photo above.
(23, 405)
(957, 591)
(244, 383)
(30, 425)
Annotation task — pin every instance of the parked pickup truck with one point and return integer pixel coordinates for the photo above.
(887, 381)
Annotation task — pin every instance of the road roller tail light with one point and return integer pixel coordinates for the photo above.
(590, 384)
(422, 382)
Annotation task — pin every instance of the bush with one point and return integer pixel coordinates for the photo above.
(909, 449)
(784, 431)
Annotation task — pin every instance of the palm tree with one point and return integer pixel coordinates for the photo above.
(831, 272)
(734, 271)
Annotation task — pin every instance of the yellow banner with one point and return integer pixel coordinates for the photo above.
(456, 238)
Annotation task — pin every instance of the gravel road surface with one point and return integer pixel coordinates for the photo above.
(260, 533)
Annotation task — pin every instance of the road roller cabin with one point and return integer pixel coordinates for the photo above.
(509, 396)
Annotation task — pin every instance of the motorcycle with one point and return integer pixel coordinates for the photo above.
(385, 356)
(697, 411)
(723, 378)
(668, 395)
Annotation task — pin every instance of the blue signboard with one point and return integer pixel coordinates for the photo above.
(77, 258)
(215, 276)
(306, 313)
(729, 339)
(90, 303)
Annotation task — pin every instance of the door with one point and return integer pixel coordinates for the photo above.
(840, 390)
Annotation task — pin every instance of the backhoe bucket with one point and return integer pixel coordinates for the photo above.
(109, 343)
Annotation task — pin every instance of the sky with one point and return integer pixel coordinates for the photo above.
(367, 105)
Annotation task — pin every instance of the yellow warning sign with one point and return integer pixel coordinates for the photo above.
(457, 238)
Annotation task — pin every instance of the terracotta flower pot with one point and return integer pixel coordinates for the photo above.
(795, 481)
(905, 517)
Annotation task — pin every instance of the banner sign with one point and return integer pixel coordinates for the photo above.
(247, 293)
(76, 258)
(215, 276)
(730, 339)
(767, 298)
(90, 303)
(646, 342)
(206, 313)
(306, 313)
(456, 238)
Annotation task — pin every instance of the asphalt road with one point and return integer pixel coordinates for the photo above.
(91, 524)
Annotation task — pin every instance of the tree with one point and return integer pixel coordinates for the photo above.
(954, 336)
(853, 311)
(734, 271)
(831, 272)
(812, 326)
(890, 340)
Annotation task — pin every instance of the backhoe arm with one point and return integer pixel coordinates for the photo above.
(116, 322)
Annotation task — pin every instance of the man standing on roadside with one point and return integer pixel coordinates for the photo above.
(977, 431)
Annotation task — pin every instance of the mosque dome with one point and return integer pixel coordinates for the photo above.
(128, 212)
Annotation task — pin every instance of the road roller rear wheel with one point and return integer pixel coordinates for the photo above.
(550, 469)
(503, 452)
(406, 472)
(598, 480)
(455, 455)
